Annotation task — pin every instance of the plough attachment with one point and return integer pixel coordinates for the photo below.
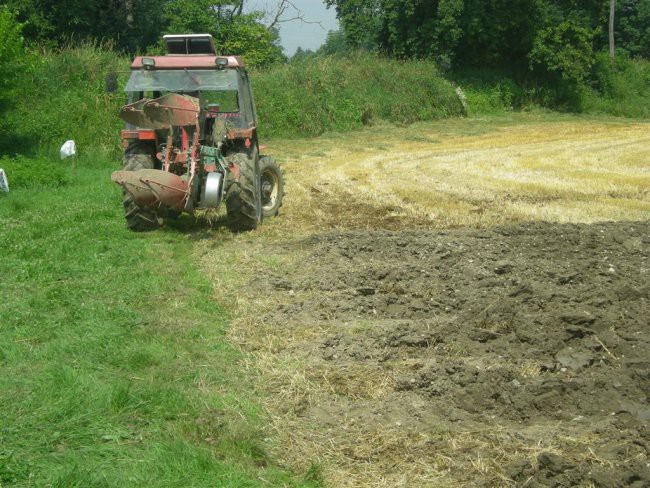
(152, 188)
(163, 112)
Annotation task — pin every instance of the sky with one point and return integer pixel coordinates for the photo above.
(296, 34)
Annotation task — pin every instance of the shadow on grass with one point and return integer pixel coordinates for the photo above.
(198, 227)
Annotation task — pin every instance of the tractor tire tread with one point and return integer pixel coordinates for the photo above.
(136, 157)
(241, 200)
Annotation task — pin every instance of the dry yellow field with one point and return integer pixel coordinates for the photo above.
(469, 173)
(342, 415)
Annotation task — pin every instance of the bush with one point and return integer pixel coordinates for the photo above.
(11, 47)
(618, 87)
(60, 96)
(23, 172)
(564, 49)
(621, 87)
(321, 93)
(489, 92)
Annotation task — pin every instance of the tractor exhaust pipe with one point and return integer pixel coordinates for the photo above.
(153, 188)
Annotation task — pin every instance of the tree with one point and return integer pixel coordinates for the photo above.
(11, 47)
(633, 27)
(612, 13)
(234, 32)
(504, 35)
(335, 43)
(361, 21)
(287, 6)
(129, 24)
(133, 25)
(302, 54)
(564, 49)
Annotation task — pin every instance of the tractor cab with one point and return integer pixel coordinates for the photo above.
(192, 68)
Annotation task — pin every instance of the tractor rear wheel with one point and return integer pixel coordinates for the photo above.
(272, 186)
(243, 198)
(136, 157)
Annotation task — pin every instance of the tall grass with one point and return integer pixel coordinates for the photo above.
(622, 88)
(489, 92)
(319, 94)
(59, 95)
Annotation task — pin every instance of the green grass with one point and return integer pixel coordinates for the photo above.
(622, 88)
(320, 94)
(28, 172)
(115, 367)
(59, 95)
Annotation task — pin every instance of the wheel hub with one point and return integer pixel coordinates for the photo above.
(269, 189)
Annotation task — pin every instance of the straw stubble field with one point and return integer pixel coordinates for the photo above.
(462, 302)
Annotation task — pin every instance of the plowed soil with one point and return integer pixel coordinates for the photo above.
(447, 310)
(520, 353)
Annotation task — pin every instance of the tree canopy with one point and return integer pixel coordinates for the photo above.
(135, 25)
(549, 38)
(556, 37)
(11, 46)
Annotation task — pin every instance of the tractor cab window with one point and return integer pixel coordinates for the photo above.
(149, 95)
(181, 81)
(226, 101)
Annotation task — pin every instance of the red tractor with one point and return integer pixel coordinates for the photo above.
(191, 139)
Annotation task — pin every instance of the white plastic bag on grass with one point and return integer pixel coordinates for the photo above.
(68, 149)
(4, 184)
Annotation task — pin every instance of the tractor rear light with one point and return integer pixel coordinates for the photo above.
(221, 62)
(148, 63)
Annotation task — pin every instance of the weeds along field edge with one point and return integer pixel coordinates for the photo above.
(298, 99)
(60, 95)
(115, 366)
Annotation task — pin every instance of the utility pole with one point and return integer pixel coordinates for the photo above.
(612, 11)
